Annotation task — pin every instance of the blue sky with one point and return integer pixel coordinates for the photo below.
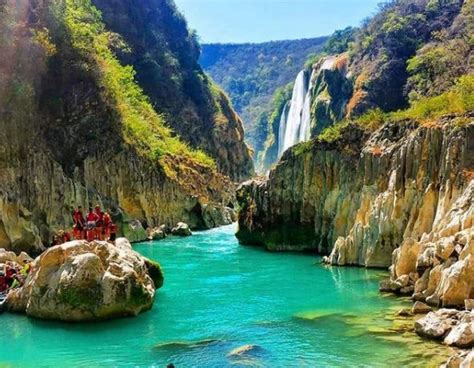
(264, 20)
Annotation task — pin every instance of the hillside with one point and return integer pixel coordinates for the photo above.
(89, 101)
(407, 53)
(251, 73)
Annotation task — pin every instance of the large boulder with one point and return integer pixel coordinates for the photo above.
(217, 215)
(435, 325)
(461, 336)
(156, 233)
(181, 229)
(82, 281)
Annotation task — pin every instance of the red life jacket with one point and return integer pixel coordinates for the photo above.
(92, 217)
(107, 220)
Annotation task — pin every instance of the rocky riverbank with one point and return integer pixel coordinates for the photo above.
(400, 198)
(80, 281)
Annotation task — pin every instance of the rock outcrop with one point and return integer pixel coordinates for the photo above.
(440, 265)
(181, 229)
(81, 281)
(360, 197)
(463, 359)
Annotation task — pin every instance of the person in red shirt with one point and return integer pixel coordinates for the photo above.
(79, 223)
(100, 223)
(92, 219)
(107, 223)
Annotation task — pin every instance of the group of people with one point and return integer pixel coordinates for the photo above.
(95, 225)
(13, 275)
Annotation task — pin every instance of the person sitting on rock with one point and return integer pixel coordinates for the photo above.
(55, 241)
(26, 269)
(64, 236)
(11, 275)
(92, 219)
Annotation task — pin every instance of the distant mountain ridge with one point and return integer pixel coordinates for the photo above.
(251, 73)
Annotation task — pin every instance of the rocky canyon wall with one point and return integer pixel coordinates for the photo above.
(361, 197)
(68, 137)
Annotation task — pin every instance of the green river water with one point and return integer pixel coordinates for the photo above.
(219, 296)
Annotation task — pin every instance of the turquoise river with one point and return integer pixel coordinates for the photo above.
(219, 296)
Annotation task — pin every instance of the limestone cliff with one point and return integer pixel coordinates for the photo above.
(362, 195)
(439, 267)
(75, 128)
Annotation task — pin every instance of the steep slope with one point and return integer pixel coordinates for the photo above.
(165, 57)
(75, 128)
(251, 73)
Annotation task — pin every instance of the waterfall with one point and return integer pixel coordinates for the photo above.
(296, 117)
(305, 128)
(293, 122)
(282, 128)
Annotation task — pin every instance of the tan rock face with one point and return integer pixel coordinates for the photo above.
(361, 197)
(443, 258)
(455, 328)
(81, 281)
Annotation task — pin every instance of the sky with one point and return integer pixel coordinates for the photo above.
(240, 21)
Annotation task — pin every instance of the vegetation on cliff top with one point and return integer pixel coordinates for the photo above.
(143, 127)
(457, 101)
(412, 60)
(404, 52)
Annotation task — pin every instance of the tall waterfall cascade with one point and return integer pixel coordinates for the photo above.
(296, 115)
(295, 122)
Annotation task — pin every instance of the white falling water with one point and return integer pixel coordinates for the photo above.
(282, 128)
(295, 127)
(305, 128)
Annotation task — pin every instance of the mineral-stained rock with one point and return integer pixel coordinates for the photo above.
(457, 283)
(421, 308)
(181, 229)
(81, 281)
